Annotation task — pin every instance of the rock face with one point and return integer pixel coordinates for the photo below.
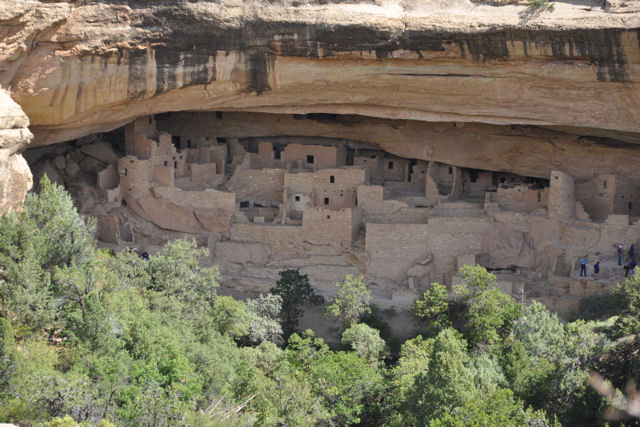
(15, 175)
(82, 67)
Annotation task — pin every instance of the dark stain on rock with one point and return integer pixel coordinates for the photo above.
(259, 73)
(194, 66)
(137, 82)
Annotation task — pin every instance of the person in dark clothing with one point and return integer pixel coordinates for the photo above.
(632, 252)
(632, 267)
(596, 269)
(583, 267)
(620, 253)
(627, 263)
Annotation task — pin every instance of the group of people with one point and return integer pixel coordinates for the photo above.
(630, 263)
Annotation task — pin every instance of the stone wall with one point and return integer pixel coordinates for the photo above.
(258, 184)
(393, 248)
(562, 196)
(321, 226)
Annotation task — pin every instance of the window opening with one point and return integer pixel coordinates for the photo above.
(297, 198)
(473, 176)
(150, 120)
(326, 201)
(218, 114)
(125, 172)
(310, 159)
(221, 140)
(390, 165)
(451, 172)
(328, 216)
(604, 184)
(175, 165)
(629, 205)
(165, 163)
(244, 204)
(332, 179)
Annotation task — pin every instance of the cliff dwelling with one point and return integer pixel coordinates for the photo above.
(265, 192)
(391, 139)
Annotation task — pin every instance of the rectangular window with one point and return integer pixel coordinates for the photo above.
(450, 171)
(297, 198)
(165, 163)
(175, 165)
(244, 204)
(332, 179)
(390, 165)
(311, 159)
(125, 172)
(326, 201)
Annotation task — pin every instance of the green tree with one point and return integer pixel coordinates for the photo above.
(447, 384)
(264, 318)
(295, 291)
(433, 308)
(351, 301)
(230, 316)
(498, 408)
(365, 341)
(489, 313)
(47, 233)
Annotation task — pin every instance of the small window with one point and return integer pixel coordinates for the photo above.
(539, 197)
(502, 180)
(629, 205)
(451, 172)
(473, 176)
(332, 179)
(221, 140)
(326, 201)
(390, 165)
(328, 216)
(188, 143)
(311, 159)
(175, 165)
(125, 172)
(604, 184)
(244, 204)
(165, 163)
(556, 177)
(297, 198)
(373, 157)
(150, 120)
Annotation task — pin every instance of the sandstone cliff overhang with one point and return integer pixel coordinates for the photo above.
(83, 67)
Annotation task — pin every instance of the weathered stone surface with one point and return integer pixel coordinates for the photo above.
(15, 175)
(83, 68)
(168, 215)
(210, 221)
(102, 151)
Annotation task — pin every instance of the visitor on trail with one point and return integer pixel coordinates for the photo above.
(620, 254)
(583, 267)
(632, 267)
(596, 269)
(626, 267)
(632, 252)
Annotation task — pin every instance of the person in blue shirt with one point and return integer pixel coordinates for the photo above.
(596, 269)
(583, 267)
(620, 252)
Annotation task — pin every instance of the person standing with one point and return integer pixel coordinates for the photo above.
(632, 252)
(583, 267)
(620, 253)
(596, 269)
(632, 267)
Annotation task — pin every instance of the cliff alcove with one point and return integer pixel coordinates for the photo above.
(345, 194)
(399, 140)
